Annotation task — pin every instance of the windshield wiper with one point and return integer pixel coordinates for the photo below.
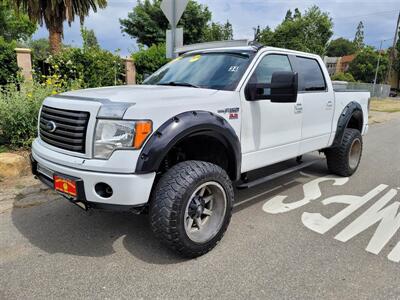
(176, 83)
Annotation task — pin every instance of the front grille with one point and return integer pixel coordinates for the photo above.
(70, 128)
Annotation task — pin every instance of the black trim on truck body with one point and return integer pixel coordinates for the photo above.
(185, 125)
(351, 109)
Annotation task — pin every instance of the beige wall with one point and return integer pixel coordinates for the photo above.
(130, 71)
(24, 61)
(394, 80)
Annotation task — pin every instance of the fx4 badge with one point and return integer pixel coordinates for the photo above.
(232, 111)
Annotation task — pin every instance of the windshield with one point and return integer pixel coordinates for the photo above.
(219, 71)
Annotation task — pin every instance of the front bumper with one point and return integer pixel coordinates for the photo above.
(129, 190)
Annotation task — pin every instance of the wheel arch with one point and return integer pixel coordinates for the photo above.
(185, 126)
(351, 117)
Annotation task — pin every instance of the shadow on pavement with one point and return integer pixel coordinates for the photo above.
(60, 227)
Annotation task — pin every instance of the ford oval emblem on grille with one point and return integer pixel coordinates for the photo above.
(51, 126)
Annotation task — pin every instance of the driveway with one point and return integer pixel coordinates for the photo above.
(307, 235)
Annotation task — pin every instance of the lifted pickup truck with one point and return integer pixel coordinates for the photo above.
(176, 146)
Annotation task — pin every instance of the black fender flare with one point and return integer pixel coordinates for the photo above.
(351, 109)
(187, 124)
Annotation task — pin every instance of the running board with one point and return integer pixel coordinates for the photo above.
(261, 180)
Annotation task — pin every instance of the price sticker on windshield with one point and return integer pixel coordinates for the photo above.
(233, 69)
(195, 58)
(176, 59)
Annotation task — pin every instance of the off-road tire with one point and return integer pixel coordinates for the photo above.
(338, 157)
(169, 201)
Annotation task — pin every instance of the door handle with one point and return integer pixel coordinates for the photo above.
(329, 104)
(298, 108)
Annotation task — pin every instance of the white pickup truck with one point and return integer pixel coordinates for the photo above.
(176, 145)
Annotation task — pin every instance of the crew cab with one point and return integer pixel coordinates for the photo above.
(177, 145)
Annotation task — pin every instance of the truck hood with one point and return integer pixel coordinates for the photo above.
(139, 94)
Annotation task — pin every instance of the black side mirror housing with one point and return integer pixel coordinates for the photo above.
(284, 87)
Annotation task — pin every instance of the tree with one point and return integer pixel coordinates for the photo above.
(309, 32)
(147, 24)
(343, 77)
(53, 13)
(340, 47)
(149, 60)
(297, 14)
(8, 62)
(265, 36)
(363, 67)
(359, 37)
(396, 64)
(40, 49)
(218, 32)
(14, 26)
(289, 16)
(89, 38)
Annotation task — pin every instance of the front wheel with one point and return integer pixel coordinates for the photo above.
(344, 159)
(191, 207)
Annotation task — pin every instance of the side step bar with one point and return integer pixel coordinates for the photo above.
(267, 178)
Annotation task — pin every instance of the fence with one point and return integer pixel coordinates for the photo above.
(377, 91)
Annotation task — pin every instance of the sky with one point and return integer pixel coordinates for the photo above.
(379, 18)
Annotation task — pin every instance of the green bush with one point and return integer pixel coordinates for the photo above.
(149, 60)
(93, 67)
(343, 77)
(8, 62)
(19, 108)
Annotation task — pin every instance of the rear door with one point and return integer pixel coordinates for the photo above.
(317, 99)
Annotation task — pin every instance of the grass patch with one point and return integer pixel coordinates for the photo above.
(385, 105)
(3, 149)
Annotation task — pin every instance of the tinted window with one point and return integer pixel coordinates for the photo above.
(220, 71)
(310, 75)
(263, 73)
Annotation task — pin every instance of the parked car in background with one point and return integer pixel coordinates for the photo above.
(394, 93)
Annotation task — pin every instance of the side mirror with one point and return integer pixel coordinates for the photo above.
(284, 86)
(146, 75)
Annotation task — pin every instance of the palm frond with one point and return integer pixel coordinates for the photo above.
(55, 12)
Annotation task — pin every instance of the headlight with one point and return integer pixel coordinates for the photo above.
(111, 135)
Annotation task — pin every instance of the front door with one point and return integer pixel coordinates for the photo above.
(271, 132)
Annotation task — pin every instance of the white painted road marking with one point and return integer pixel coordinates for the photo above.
(318, 223)
(311, 192)
(387, 217)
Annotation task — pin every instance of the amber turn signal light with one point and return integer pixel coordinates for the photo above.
(142, 131)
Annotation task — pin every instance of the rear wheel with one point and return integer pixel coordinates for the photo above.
(192, 207)
(344, 159)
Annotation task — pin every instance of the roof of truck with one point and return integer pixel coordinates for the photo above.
(251, 49)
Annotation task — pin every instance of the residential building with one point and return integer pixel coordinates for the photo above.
(331, 64)
(345, 62)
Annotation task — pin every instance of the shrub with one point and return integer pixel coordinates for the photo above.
(19, 108)
(8, 62)
(343, 77)
(149, 60)
(93, 67)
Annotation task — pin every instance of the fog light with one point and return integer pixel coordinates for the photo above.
(103, 190)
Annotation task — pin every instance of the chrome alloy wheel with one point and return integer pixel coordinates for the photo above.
(205, 212)
(355, 154)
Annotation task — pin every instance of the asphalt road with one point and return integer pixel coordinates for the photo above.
(271, 250)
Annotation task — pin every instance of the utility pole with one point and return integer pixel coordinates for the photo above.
(173, 28)
(377, 68)
(393, 51)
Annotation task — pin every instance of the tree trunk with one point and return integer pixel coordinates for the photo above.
(55, 39)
